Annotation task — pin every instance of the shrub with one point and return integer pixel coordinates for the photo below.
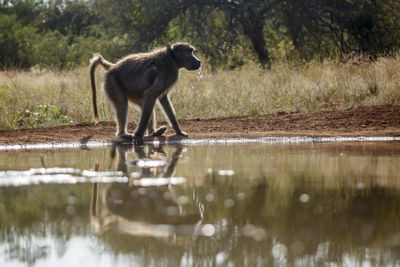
(44, 115)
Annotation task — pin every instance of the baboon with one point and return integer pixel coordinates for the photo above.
(142, 79)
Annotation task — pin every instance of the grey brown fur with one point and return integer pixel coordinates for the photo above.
(142, 79)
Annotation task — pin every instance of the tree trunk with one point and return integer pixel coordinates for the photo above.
(254, 31)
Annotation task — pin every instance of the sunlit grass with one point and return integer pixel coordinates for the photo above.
(316, 86)
(205, 94)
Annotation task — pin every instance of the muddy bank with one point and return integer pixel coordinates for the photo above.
(361, 121)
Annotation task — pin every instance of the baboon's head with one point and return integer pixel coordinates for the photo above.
(183, 55)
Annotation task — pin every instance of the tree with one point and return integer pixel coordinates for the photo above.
(16, 42)
(68, 17)
(250, 18)
(148, 22)
(345, 26)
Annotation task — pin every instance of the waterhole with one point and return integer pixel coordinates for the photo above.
(262, 204)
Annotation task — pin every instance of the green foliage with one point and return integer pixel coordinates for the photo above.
(69, 17)
(62, 51)
(16, 42)
(65, 33)
(45, 114)
(330, 28)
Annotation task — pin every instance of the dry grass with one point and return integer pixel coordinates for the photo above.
(316, 86)
(205, 94)
(69, 90)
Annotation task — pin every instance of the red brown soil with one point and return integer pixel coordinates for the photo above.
(360, 121)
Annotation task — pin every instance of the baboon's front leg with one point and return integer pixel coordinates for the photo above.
(151, 128)
(145, 115)
(169, 111)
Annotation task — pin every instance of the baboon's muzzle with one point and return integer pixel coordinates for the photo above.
(195, 64)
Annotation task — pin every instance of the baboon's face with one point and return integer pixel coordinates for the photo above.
(186, 58)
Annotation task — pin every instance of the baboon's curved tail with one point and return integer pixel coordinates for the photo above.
(94, 61)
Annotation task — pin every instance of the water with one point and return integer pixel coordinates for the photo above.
(307, 204)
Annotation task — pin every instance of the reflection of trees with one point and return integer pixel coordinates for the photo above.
(28, 214)
(331, 225)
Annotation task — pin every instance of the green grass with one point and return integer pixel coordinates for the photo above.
(205, 94)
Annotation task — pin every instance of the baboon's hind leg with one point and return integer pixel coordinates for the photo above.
(120, 104)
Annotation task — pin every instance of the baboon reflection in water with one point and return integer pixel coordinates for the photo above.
(138, 210)
(142, 79)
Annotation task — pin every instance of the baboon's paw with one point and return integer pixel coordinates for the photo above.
(159, 132)
(138, 141)
(182, 133)
(123, 139)
(125, 136)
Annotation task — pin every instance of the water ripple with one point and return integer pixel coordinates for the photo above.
(218, 141)
(74, 176)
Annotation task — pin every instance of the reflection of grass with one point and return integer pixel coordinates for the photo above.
(205, 94)
(333, 167)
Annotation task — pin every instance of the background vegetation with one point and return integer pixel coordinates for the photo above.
(48, 98)
(64, 33)
(261, 56)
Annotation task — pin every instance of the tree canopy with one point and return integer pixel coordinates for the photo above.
(65, 33)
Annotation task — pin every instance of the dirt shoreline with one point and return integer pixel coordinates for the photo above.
(383, 120)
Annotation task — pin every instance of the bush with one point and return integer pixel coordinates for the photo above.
(16, 43)
(46, 114)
